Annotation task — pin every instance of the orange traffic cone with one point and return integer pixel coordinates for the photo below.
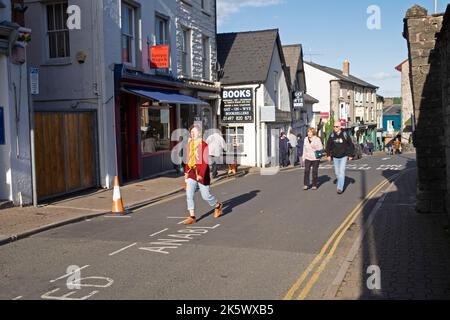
(117, 205)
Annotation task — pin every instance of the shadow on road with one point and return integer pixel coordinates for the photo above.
(231, 204)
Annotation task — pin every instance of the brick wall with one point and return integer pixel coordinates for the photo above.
(430, 137)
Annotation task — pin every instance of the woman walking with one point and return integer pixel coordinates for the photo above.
(198, 175)
(300, 145)
(311, 144)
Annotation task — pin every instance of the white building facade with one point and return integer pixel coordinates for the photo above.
(15, 153)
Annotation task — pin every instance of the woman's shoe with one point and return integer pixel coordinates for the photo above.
(189, 221)
(314, 188)
(218, 211)
(305, 188)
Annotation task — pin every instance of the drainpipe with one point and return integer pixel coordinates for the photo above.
(258, 128)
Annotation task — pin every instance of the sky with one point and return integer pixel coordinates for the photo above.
(332, 31)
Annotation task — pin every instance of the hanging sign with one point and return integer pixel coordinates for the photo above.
(159, 57)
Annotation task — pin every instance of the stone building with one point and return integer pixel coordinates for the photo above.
(407, 104)
(429, 51)
(353, 101)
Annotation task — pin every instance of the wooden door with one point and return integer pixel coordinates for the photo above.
(65, 152)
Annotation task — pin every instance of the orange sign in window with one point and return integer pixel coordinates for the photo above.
(159, 57)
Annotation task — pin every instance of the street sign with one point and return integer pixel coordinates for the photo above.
(325, 115)
(298, 99)
(2, 127)
(237, 105)
(34, 81)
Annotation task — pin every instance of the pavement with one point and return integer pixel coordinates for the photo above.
(396, 253)
(21, 222)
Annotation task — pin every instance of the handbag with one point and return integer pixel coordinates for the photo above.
(320, 154)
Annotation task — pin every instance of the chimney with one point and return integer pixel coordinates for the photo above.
(346, 68)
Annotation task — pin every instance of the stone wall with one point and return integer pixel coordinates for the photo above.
(420, 32)
(407, 104)
(201, 23)
(444, 51)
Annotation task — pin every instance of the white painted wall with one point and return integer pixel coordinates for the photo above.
(283, 89)
(5, 150)
(15, 160)
(318, 84)
(250, 147)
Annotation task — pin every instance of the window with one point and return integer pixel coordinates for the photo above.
(368, 97)
(341, 93)
(162, 31)
(186, 52)
(128, 34)
(57, 31)
(155, 129)
(234, 138)
(205, 58)
(204, 5)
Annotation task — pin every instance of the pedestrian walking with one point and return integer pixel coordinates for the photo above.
(340, 148)
(198, 175)
(300, 145)
(293, 146)
(312, 144)
(216, 145)
(284, 150)
(397, 146)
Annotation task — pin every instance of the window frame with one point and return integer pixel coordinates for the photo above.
(65, 31)
(131, 36)
(186, 51)
(206, 58)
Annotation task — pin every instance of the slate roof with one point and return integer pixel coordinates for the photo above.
(395, 110)
(292, 54)
(246, 56)
(340, 75)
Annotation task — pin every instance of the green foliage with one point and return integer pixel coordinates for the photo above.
(329, 127)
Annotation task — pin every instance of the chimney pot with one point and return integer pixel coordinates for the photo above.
(346, 68)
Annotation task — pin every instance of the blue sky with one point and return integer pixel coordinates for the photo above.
(334, 30)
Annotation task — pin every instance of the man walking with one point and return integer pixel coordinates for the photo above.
(293, 147)
(340, 148)
(217, 146)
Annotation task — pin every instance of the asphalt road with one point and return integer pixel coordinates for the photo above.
(270, 232)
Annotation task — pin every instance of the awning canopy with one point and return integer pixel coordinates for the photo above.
(166, 97)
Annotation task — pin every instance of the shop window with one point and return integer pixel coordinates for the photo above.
(155, 129)
(234, 137)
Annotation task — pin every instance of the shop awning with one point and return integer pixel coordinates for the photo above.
(166, 97)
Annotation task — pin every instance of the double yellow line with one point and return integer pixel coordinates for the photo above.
(335, 239)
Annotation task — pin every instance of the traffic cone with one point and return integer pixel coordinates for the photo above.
(117, 205)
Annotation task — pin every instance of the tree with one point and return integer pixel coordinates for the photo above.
(329, 127)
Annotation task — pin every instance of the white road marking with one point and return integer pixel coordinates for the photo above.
(68, 274)
(123, 249)
(18, 298)
(117, 216)
(156, 233)
(47, 296)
